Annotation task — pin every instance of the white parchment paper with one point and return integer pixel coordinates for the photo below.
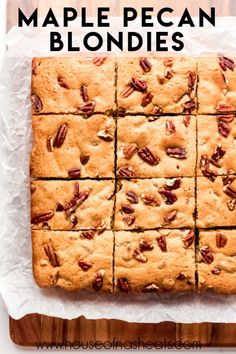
(17, 286)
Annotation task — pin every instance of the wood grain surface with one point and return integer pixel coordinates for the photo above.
(35, 329)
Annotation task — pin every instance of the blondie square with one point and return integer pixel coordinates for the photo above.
(157, 85)
(165, 147)
(217, 84)
(65, 146)
(72, 205)
(216, 261)
(216, 144)
(154, 261)
(157, 202)
(73, 260)
(216, 201)
(73, 85)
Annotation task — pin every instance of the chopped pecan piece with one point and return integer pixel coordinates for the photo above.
(75, 202)
(169, 74)
(224, 108)
(145, 64)
(129, 150)
(231, 204)
(177, 153)
(105, 135)
(87, 109)
(189, 106)
(127, 91)
(84, 93)
(49, 144)
(161, 240)
(126, 171)
(157, 110)
(85, 266)
(192, 77)
(130, 219)
(123, 285)
(89, 235)
(227, 119)
(173, 183)
(216, 271)
(62, 82)
(230, 191)
(168, 62)
(221, 240)
(146, 155)
(204, 165)
(38, 219)
(73, 220)
(139, 256)
(227, 179)
(98, 282)
(150, 199)
(84, 159)
(145, 245)
(168, 196)
(223, 128)
(132, 197)
(98, 61)
(181, 276)
(76, 189)
(60, 136)
(36, 103)
(139, 85)
(150, 288)
(127, 209)
(74, 173)
(186, 121)
(59, 207)
(51, 254)
(170, 127)
(226, 63)
(206, 255)
(147, 99)
(170, 217)
(188, 238)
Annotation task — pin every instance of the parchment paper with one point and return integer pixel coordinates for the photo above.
(17, 286)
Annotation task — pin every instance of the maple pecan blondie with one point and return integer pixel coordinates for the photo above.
(67, 146)
(156, 85)
(216, 144)
(217, 84)
(73, 85)
(154, 261)
(216, 201)
(165, 147)
(73, 260)
(72, 205)
(157, 202)
(216, 261)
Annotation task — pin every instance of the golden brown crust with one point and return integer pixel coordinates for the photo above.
(81, 263)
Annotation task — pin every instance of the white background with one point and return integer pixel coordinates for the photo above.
(6, 346)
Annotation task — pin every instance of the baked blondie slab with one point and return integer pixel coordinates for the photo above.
(216, 144)
(67, 146)
(216, 261)
(154, 261)
(216, 201)
(217, 84)
(165, 147)
(73, 260)
(156, 85)
(153, 203)
(73, 85)
(72, 205)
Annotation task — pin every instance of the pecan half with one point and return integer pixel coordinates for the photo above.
(145, 245)
(204, 166)
(98, 61)
(226, 63)
(60, 136)
(188, 238)
(170, 217)
(87, 109)
(230, 191)
(170, 127)
(84, 159)
(186, 121)
(105, 135)
(146, 155)
(227, 119)
(231, 204)
(75, 202)
(227, 179)
(221, 240)
(127, 209)
(139, 256)
(74, 173)
(150, 199)
(51, 254)
(129, 220)
(84, 93)
(127, 91)
(36, 103)
(161, 240)
(177, 153)
(123, 285)
(62, 82)
(147, 99)
(89, 235)
(145, 64)
(126, 172)
(173, 183)
(139, 85)
(168, 196)
(129, 150)
(225, 108)
(98, 282)
(38, 219)
(150, 288)
(217, 155)
(223, 128)
(85, 266)
(131, 197)
(206, 255)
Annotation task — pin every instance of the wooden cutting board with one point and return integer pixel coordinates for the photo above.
(35, 329)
